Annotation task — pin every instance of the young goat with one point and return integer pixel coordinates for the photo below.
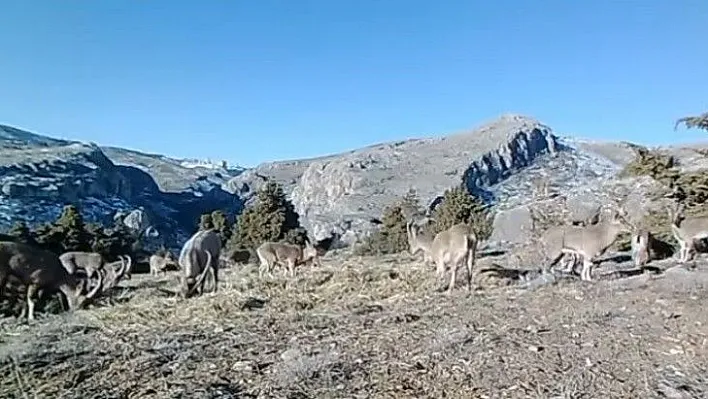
(453, 246)
(288, 255)
(588, 242)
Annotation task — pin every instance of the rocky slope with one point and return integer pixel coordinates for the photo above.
(39, 175)
(341, 194)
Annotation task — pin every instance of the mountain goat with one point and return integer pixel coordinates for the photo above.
(199, 255)
(457, 244)
(41, 270)
(288, 255)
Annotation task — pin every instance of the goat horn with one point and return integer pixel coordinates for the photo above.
(200, 279)
(97, 288)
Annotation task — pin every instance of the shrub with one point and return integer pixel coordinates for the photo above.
(693, 187)
(218, 221)
(690, 188)
(659, 166)
(459, 206)
(205, 222)
(657, 222)
(22, 233)
(392, 237)
(271, 218)
(67, 233)
(115, 241)
(221, 224)
(70, 233)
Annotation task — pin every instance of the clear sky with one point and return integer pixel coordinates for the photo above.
(252, 81)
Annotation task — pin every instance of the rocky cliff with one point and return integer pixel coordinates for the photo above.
(342, 194)
(39, 175)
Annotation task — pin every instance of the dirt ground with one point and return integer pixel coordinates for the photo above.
(371, 328)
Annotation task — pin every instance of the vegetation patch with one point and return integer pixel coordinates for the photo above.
(457, 206)
(271, 217)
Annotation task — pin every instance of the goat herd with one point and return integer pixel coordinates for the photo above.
(575, 244)
(82, 276)
(41, 272)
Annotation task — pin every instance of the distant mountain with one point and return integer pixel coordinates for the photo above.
(40, 174)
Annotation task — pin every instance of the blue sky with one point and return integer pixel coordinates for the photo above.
(252, 81)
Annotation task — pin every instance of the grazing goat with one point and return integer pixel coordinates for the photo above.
(588, 242)
(90, 262)
(289, 255)
(113, 273)
(453, 246)
(199, 255)
(160, 263)
(686, 230)
(39, 269)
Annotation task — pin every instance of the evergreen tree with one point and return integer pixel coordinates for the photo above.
(271, 218)
(50, 238)
(71, 225)
(205, 222)
(694, 122)
(459, 206)
(221, 224)
(392, 237)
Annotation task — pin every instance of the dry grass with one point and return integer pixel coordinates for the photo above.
(370, 328)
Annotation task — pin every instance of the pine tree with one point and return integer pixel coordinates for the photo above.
(71, 225)
(459, 206)
(694, 122)
(221, 224)
(205, 222)
(392, 237)
(271, 218)
(67, 233)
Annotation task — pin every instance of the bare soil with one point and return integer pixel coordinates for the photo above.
(371, 328)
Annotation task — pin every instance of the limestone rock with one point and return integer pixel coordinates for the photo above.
(355, 187)
(513, 225)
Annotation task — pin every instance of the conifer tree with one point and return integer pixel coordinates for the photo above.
(271, 218)
(205, 222)
(71, 225)
(459, 206)
(392, 236)
(221, 224)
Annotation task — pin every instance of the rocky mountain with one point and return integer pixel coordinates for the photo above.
(342, 194)
(39, 175)
(336, 195)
